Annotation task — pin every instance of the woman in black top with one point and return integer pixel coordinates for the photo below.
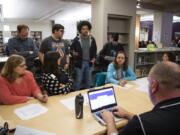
(55, 80)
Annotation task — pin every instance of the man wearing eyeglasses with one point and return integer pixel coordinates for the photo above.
(164, 118)
(56, 43)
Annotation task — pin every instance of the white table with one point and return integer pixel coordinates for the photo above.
(142, 84)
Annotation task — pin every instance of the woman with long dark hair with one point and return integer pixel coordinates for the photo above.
(55, 80)
(118, 71)
(168, 56)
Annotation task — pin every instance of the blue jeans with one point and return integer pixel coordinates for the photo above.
(83, 75)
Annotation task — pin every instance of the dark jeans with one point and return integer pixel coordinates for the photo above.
(83, 75)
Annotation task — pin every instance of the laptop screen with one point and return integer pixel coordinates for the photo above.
(102, 99)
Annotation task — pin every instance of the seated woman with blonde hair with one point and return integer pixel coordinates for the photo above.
(118, 71)
(17, 84)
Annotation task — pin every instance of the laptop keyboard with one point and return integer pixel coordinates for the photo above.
(99, 115)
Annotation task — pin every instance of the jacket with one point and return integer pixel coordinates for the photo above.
(76, 47)
(109, 49)
(128, 75)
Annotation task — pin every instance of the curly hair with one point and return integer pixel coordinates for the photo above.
(84, 23)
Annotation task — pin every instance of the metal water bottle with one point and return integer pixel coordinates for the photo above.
(79, 100)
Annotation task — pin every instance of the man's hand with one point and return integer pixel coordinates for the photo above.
(75, 53)
(93, 61)
(60, 52)
(109, 119)
(66, 66)
(119, 111)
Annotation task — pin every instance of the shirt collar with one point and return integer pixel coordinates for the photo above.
(56, 40)
(167, 103)
(18, 37)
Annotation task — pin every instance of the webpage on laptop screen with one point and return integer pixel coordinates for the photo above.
(102, 98)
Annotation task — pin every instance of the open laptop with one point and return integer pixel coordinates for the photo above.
(100, 99)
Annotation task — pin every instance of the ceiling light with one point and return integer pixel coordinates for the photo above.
(176, 19)
(138, 4)
(147, 18)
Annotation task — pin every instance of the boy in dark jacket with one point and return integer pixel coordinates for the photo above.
(107, 54)
(83, 50)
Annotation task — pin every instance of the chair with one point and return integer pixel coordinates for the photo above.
(100, 78)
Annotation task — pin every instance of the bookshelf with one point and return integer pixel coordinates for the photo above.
(33, 34)
(1, 43)
(1, 38)
(13, 33)
(36, 35)
(119, 25)
(144, 60)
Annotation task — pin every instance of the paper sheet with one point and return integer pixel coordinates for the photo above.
(30, 111)
(21, 130)
(70, 102)
(142, 84)
(127, 86)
